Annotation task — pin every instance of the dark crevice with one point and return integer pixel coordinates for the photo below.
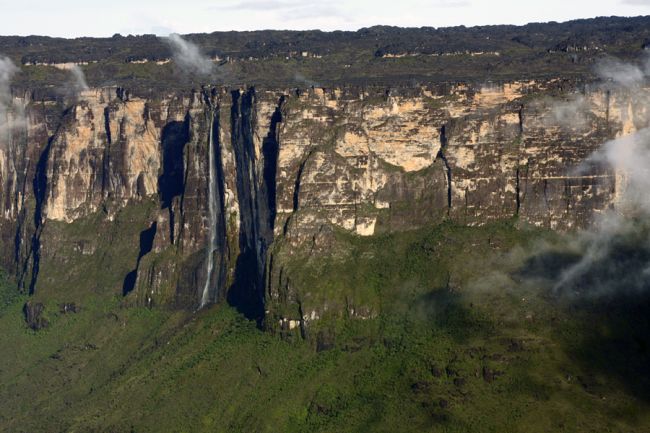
(269, 273)
(40, 191)
(146, 245)
(517, 190)
(244, 293)
(256, 203)
(518, 170)
(172, 221)
(546, 194)
(296, 186)
(523, 185)
(222, 227)
(303, 330)
(181, 205)
(296, 191)
(18, 238)
(106, 163)
(441, 154)
(271, 151)
(171, 183)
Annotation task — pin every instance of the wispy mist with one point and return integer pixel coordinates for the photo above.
(300, 78)
(78, 83)
(613, 257)
(75, 83)
(624, 74)
(12, 115)
(188, 57)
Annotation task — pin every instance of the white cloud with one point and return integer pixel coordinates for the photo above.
(188, 56)
(12, 115)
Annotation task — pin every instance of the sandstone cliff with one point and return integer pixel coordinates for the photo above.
(115, 185)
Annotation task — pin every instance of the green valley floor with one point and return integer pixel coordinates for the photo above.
(470, 337)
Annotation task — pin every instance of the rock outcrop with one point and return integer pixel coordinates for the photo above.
(34, 315)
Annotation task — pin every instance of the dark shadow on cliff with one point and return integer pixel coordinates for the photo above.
(146, 245)
(447, 310)
(256, 203)
(245, 293)
(614, 340)
(271, 151)
(604, 297)
(547, 265)
(171, 182)
(40, 192)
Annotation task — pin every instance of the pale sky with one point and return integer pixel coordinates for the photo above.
(71, 18)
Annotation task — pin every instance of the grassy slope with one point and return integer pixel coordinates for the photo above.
(457, 347)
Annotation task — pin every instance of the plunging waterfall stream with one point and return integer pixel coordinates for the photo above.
(212, 208)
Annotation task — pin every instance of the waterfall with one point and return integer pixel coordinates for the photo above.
(212, 207)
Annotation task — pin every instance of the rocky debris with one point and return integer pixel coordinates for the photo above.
(34, 315)
(68, 307)
(489, 375)
(86, 347)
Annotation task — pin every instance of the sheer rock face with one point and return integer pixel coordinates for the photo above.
(104, 150)
(291, 165)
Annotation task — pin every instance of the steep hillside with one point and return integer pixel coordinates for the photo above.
(457, 342)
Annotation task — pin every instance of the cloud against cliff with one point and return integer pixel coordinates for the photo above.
(570, 114)
(77, 82)
(623, 74)
(11, 115)
(188, 56)
(613, 257)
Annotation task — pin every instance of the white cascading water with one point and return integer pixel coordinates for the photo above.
(212, 207)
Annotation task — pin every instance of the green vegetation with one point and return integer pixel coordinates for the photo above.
(380, 55)
(93, 255)
(459, 344)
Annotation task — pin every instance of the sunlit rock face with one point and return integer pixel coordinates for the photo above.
(292, 167)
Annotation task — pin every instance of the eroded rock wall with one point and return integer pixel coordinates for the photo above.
(291, 167)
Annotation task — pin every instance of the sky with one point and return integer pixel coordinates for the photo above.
(73, 18)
